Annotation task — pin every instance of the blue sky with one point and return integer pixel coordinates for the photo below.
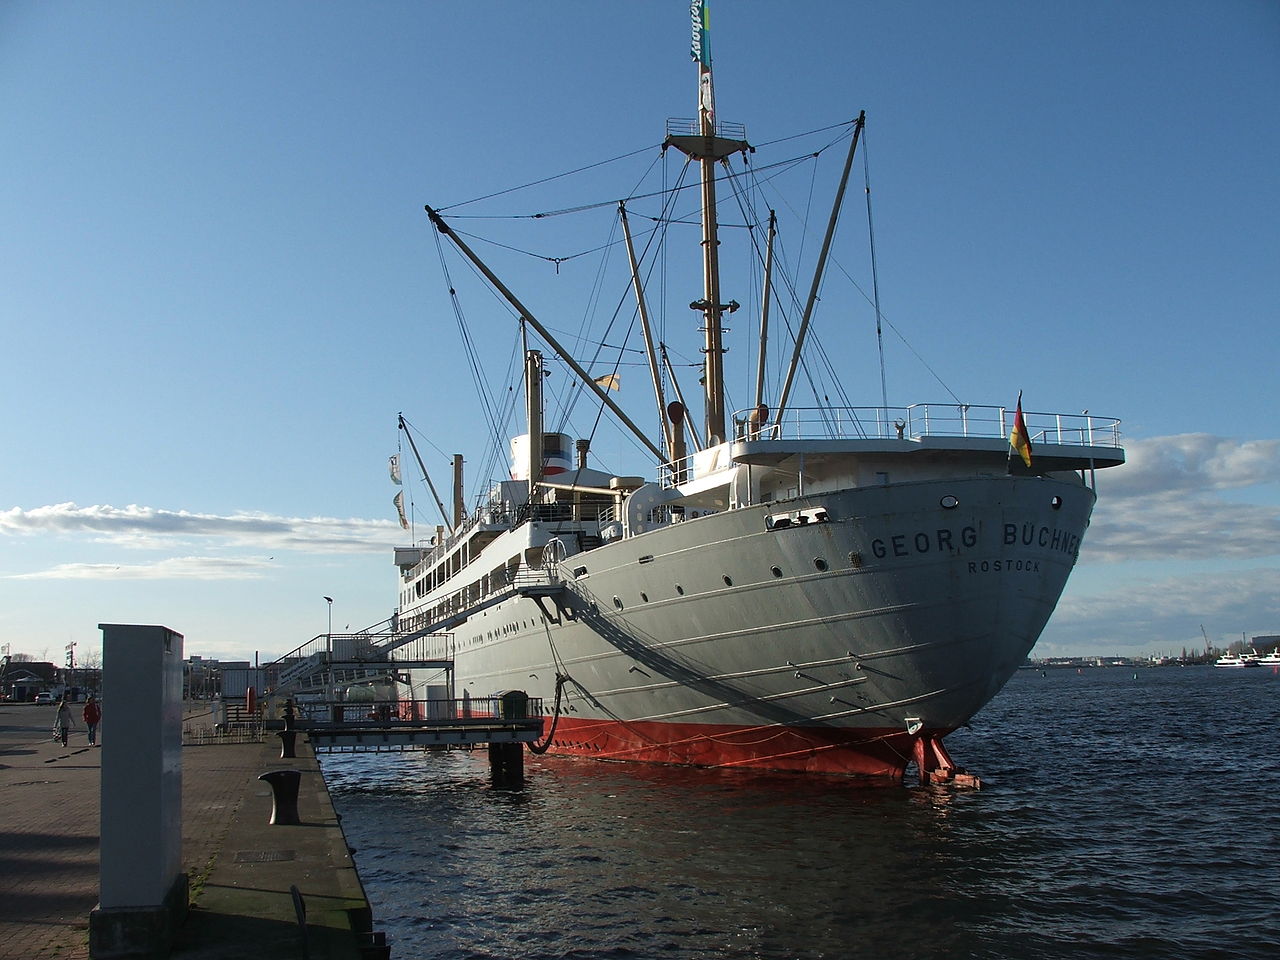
(218, 287)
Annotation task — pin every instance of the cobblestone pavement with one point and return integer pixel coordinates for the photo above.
(49, 826)
(48, 836)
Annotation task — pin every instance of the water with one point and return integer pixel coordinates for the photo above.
(1122, 815)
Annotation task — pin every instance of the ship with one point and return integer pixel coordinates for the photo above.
(829, 589)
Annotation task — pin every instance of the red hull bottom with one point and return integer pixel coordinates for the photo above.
(872, 753)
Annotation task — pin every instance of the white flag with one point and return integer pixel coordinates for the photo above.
(393, 464)
(398, 500)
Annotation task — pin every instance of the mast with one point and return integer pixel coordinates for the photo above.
(645, 329)
(820, 268)
(764, 308)
(459, 509)
(533, 414)
(707, 149)
(684, 407)
(425, 476)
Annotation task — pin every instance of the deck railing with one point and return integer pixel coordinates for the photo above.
(929, 420)
(914, 422)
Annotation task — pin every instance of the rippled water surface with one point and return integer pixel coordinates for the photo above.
(1123, 815)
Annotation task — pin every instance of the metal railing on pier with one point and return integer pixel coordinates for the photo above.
(479, 711)
(221, 723)
(333, 726)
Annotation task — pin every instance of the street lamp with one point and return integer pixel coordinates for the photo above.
(329, 647)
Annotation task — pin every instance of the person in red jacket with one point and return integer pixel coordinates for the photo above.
(92, 717)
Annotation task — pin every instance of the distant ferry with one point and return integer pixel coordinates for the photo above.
(1241, 660)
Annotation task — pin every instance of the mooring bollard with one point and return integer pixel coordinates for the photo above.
(284, 796)
(288, 744)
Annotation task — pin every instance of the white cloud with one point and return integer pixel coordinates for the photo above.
(1165, 613)
(1193, 462)
(152, 528)
(170, 568)
(1166, 503)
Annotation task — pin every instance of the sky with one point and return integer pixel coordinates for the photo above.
(218, 287)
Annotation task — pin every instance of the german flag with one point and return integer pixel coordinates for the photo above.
(1019, 439)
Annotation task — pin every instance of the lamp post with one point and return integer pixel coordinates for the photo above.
(329, 647)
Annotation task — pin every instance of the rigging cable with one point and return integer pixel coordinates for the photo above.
(535, 183)
(875, 283)
(624, 156)
(469, 347)
(663, 222)
(821, 400)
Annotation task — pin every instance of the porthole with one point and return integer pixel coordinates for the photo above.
(644, 598)
(820, 563)
(949, 502)
(1056, 503)
(679, 589)
(728, 581)
(777, 571)
(617, 602)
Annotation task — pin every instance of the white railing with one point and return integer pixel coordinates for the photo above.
(930, 420)
(689, 127)
(911, 423)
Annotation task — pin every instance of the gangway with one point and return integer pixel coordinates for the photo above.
(535, 587)
(503, 721)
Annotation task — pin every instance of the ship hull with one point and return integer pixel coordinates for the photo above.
(831, 647)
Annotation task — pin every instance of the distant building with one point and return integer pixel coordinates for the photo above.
(201, 678)
(238, 677)
(23, 679)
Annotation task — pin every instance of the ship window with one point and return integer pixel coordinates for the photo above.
(949, 502)
(1056, 503)
(679, 589)
(647, 558)
(579, 572)
(728, 581)
(820, 563)
(644, 598)
(617, 602)
(777, 571)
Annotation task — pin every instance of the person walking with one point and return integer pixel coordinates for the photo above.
(63, 722)
(92, 717)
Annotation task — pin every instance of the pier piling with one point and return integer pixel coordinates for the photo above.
(506, 764)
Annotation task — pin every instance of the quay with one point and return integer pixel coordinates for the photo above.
(241, 868)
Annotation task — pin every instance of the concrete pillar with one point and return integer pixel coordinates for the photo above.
(506, 764)
(143, 888)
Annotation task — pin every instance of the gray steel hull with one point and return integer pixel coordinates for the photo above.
(830, 647)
